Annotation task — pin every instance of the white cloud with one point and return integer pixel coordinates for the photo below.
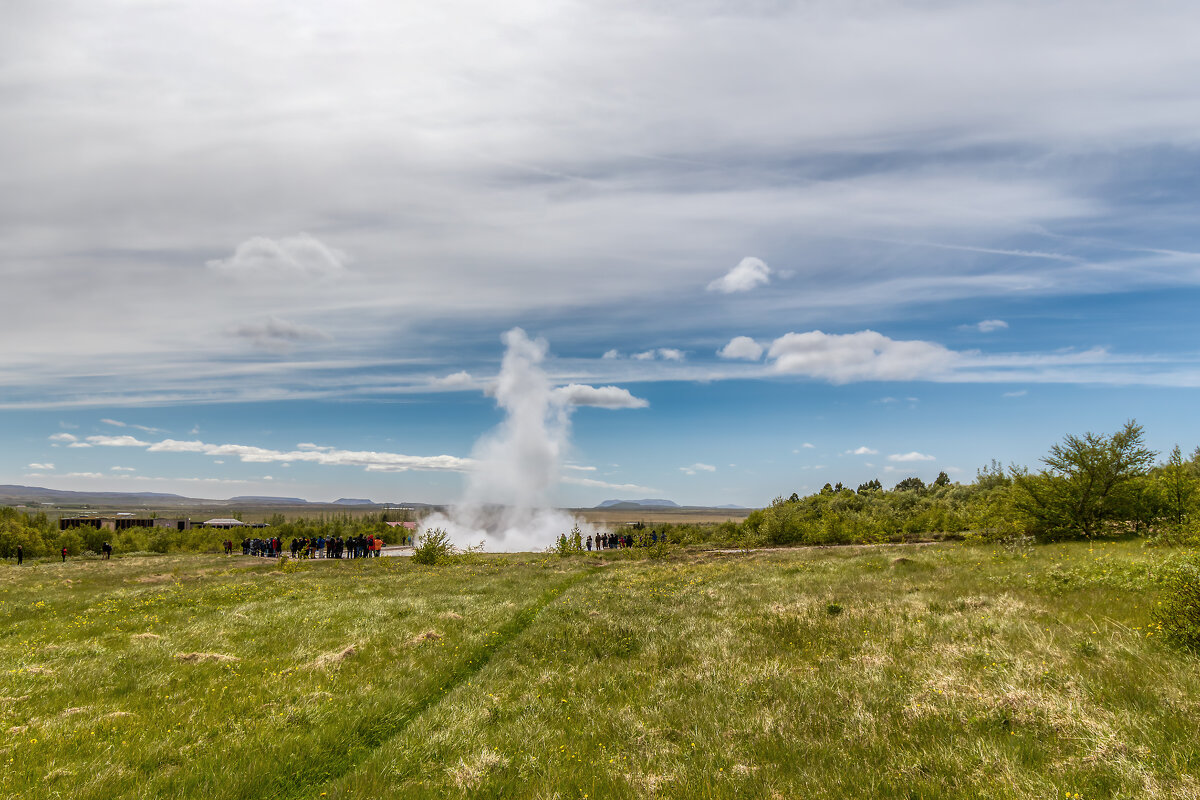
(117, 423)
(742, 347)
(286, 258)
(913, 456)
(79, 444)
(808, 445)
(47, 467)
(576, 394)
(861, 356)
(116, 441)
(598, 484)
(1017, 393)
(122, 469)
(862, 451)
(63, 437)
(661, 353)
(455, 380)
(749, 273)
(611, 354)
(579, 468)
(369, 460)
(698, 467)
(989, 325)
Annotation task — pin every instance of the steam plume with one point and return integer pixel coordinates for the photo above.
(506, 499)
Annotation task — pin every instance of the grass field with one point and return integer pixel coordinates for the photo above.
(906, 671)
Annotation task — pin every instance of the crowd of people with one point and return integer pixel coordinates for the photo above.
(368, 546)
(617, 541)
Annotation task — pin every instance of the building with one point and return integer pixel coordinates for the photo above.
(123, 521)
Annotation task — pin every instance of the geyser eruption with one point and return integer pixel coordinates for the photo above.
(506, 499)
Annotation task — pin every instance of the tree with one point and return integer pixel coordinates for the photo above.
(942, 479)
(1088, 481)
(1176, 484)
(913, 484)
(872, 485)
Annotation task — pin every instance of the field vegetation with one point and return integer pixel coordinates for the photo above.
(963, 670)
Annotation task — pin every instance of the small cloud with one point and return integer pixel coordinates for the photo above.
(989, 325)
(455, 379)
(116, 441)
(47, 467)
(742, 347)
(611, 354)
(577, 394)
(122, 469)
(118, 424)
(887, 399)
(913, 456)
(79, 444)
(661, 353)
(808, 445)
(284, 259)
(749, 273)
(278, 334)
(195, 430)
(63, 437)
(579, 467)
(219, 461)
(862, 451)
(862, 356)
(67, 425)
(698, 467)
(1017, 393)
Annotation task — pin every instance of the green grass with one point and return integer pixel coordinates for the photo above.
(906, 671)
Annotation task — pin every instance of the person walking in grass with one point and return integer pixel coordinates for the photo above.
(20, 554)
(64, 555)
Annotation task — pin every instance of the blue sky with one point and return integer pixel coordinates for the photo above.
(273, 250)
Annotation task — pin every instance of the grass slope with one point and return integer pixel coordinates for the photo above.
(933, 671)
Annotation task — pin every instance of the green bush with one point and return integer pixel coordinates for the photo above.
(1177, 616)
(435, 548)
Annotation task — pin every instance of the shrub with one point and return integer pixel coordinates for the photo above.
(1178, 614)
(435, 547)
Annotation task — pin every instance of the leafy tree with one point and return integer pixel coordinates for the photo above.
(872, 485)
(827, 489)
(913, 484)
(942, 479)
(1176, 485)
(1089, 480)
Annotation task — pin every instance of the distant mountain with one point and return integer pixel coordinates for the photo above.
(652, 503)
(349, 501)
(268, 501)
(37, 494)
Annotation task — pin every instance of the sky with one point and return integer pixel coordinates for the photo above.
(273, 248)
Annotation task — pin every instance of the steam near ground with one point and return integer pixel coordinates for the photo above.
(505, 503)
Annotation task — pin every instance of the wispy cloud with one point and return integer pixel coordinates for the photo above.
(118, 424)
(697, 467)
(46, 467)
(862, 451)
(286, 258)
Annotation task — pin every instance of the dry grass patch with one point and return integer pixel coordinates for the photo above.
(334, 659)
(427, 636)
(198, 658)
(467, 776)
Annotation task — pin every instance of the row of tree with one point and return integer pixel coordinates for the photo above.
(1090, 485)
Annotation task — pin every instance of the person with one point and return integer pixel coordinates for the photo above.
(589, 543)
(20, 555)
(64, 555)
(107, 551)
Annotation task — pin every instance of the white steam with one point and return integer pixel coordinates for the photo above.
(506, 500)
